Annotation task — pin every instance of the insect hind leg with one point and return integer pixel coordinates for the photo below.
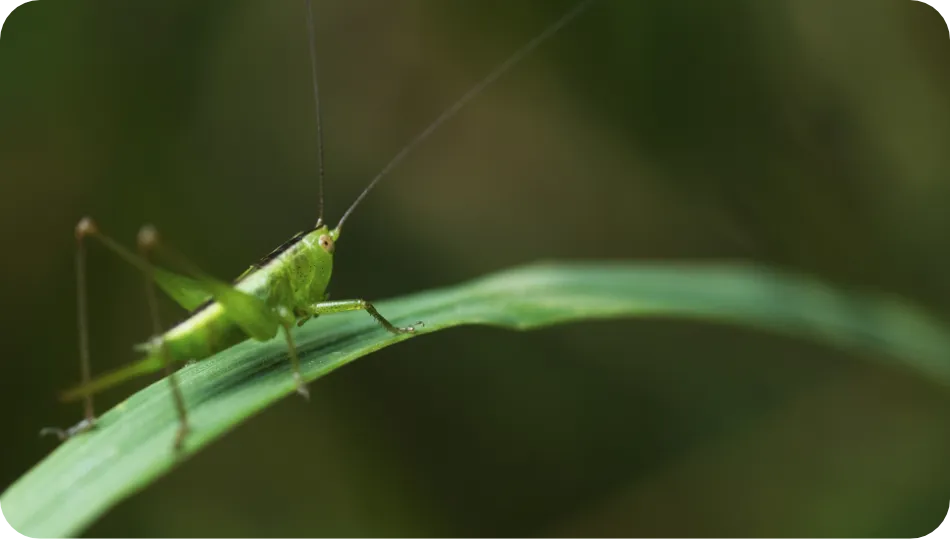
(147, 241)
(87, 228)
(84, 228)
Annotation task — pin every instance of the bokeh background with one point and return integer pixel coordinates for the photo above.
(806, 134)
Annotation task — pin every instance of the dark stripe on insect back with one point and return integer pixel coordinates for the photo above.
(283, 247)
(198, 309)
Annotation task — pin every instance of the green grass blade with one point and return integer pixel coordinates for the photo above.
(84, 477)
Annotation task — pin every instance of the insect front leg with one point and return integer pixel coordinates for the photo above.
(303, 316)
(329, 307)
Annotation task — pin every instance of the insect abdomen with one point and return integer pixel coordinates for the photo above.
(203, 335)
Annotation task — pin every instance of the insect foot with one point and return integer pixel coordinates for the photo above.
(63, 435)
(180, 436)
(414, 327)
(301, 387)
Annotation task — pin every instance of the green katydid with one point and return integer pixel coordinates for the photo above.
(287, 287)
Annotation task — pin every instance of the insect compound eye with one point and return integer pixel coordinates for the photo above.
(327, 243)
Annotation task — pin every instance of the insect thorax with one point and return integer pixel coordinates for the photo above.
(306, 267)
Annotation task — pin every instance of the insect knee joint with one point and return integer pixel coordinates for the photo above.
(147, 238)
(86, 227)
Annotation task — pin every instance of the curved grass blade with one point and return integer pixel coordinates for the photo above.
(81, 479)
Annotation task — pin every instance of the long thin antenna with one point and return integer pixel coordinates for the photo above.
(468, 96)
(316, 102)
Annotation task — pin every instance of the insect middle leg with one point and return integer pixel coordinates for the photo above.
(295, 363)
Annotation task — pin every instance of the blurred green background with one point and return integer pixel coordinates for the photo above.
(805, 134)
